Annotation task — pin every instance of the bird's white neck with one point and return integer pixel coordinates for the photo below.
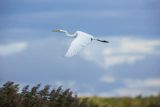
(68, 34)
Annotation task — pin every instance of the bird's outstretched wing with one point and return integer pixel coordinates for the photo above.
(77, 44)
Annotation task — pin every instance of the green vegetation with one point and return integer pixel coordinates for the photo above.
(139, 101)
(11, 96)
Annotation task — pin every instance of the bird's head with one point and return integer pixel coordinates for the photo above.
(58, 30)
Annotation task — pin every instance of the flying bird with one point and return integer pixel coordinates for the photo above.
(81, 40)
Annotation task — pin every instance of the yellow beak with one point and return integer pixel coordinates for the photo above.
(56, 30)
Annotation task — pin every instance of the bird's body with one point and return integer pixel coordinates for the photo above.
(83, 34)
(81, 40)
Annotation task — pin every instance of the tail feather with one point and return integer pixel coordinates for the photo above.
(102, 41)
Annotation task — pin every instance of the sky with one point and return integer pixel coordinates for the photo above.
(128, 66)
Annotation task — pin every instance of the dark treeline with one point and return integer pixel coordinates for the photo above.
(11, 96)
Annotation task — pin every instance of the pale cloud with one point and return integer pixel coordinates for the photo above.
(135, 87)
(12, 48)
(107, 79)
(120, 51)
(50, 15)
(132, 88)
(139, 46)
(121, 59)
(145, 83)
(59, 83)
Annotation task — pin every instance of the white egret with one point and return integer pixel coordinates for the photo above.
(81, 40)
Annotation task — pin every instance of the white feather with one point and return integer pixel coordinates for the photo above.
(82, 39)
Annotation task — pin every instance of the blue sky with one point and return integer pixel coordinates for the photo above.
(128, 66)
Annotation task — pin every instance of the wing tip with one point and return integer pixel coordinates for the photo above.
(67, 56)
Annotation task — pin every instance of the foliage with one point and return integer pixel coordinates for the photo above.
(11, 96)
(152, 101)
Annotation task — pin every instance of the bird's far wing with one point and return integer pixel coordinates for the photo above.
(77, 44)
